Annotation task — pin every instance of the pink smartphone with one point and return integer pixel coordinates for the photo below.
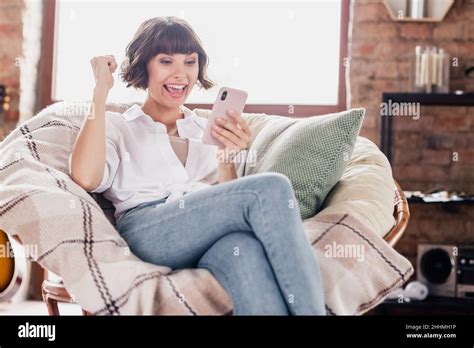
(227, 98)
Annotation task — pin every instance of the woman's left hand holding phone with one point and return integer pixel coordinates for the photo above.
(234, 134)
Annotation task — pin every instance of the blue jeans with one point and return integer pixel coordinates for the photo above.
(247, 232)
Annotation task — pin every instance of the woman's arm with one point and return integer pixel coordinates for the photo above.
(88, 155)
(227, 172)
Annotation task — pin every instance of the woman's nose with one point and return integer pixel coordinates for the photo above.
(179, 71)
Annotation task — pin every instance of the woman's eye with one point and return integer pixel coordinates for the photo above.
(169, 62)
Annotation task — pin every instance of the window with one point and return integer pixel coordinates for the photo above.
(281, 52)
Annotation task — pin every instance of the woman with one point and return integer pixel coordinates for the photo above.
(195, 213)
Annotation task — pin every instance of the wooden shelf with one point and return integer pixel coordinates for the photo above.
(447, 99)
(450, 202)
(436, 10)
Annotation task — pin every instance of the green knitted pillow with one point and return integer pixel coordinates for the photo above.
(312, 152)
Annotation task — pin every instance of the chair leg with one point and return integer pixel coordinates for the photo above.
(52, 305)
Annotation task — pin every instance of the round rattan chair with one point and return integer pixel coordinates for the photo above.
(54, 291)
(401, 213)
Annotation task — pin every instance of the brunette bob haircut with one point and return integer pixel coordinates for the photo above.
(167, 35)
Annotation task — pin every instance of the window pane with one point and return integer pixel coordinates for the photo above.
(280, 52)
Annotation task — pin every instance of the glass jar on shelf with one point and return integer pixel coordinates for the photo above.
(429, 70)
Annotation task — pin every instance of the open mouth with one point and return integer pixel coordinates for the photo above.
(175, 90)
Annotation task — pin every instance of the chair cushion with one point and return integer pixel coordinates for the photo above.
(365, 189)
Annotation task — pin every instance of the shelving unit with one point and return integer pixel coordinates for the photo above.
(446, 99)
(436, 10)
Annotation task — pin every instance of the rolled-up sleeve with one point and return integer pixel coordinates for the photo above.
(112, 158)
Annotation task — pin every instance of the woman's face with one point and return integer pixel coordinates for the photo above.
(166, 72)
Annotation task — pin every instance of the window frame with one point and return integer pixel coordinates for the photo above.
(48, 55)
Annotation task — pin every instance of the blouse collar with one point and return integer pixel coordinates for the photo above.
(190, 126)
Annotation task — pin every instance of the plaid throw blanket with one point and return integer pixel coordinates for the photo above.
(63, 224)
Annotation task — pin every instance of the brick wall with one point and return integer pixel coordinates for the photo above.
(11, 40)
(437, 150)
(380, 51)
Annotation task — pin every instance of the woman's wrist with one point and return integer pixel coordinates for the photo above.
(226, 165)
(227, 172)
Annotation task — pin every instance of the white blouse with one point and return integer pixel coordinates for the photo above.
(141, 165)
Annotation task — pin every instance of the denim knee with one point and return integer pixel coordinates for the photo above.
(240, 248)
(273, 184)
